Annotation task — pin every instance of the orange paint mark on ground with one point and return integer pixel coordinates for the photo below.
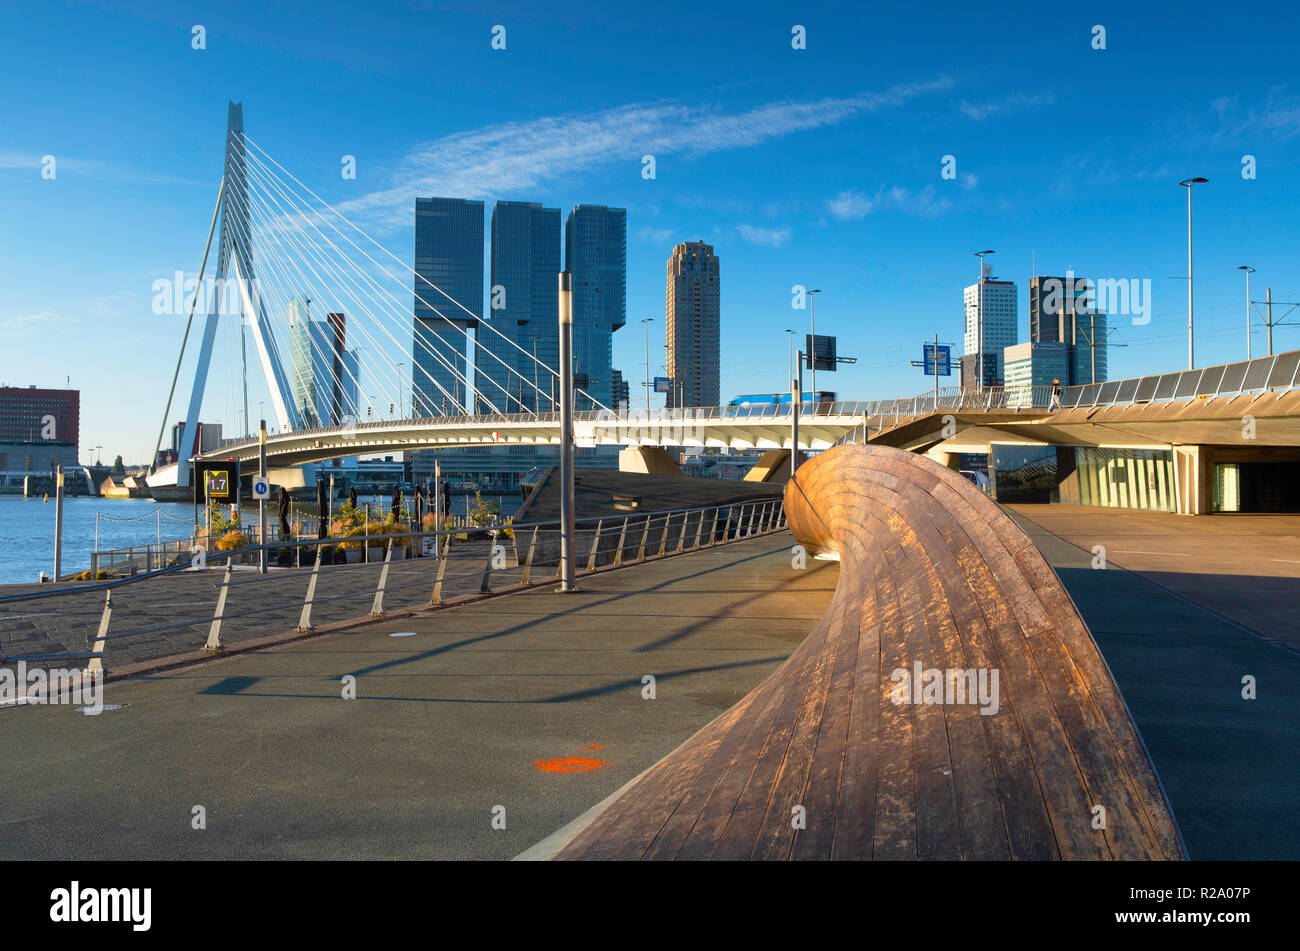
(572, 764)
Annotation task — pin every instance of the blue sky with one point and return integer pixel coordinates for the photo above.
(819, 166)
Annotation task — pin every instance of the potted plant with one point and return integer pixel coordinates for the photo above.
(353, 539)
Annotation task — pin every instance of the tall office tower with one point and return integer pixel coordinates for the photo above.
(622, 392)
(999, 314)
(595, 252)
(449, 255)
(523, 306)
(694, 308)
(1065, 310)
(323, 372)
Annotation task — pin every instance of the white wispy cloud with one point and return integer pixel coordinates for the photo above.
(772, 237)
(1017, 100)
(851, 205)
(92, 168)
(657, 235)
(516, 157)
(30, 325)
(1278, 114)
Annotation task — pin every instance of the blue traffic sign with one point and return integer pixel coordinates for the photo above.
(940, 355)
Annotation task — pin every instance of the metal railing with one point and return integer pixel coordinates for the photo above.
(222, 597)
(152, 556)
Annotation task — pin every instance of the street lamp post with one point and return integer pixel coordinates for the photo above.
(790, 359)
(979, 319)
(812, 346)
(1249, 271)
(1188, 183)
(645, 322)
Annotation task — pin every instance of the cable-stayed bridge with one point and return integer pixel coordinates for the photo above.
(397, 380)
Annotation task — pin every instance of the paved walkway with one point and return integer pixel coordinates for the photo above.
(1179, 644)
(447, 724)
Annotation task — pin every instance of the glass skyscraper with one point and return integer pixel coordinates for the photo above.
(595, 252)
(523, 306)
(316, 380)
(449, 255)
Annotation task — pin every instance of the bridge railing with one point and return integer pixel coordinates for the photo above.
(214, 599)
(1279, 371)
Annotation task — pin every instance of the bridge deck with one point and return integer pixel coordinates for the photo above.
(820, 762)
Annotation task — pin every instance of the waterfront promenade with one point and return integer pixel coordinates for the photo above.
(447, 724)
(534, 701)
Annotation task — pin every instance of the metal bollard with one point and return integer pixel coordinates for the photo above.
(622, 537)
(214, 633)
(595, 546)
(377, 609)
(96, 665)
(663, 539)
(442, 567)
(528, 565)
(640, 555)
(304, 622)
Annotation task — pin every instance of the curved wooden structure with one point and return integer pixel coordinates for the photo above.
(820, 761)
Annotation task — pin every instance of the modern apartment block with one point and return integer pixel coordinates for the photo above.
(39, 430)
(448, 255)
(693, 312)
(523, 308)
(1064, 310)
(999, 316)
(595, 253)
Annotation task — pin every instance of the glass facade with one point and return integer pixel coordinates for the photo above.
(595, 253)
(449, 255)
(1084, 475)
(1061, 310)
(1028, 365)
(523, 306)
(311, 369)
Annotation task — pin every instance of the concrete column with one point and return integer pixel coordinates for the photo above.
(1193, 471)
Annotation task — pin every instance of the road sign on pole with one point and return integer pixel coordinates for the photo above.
(261, 489)
(663, 384)
(936, 359)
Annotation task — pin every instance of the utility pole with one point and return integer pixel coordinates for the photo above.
(1188, 183)
(1249, 271)
(1268, 298)
(568, 566)
(979, 319)
(796, 399)
(58, 523)
(261, 503)
(812, 345)
(645, 322)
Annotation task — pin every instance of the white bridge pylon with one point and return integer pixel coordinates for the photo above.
(393, 344)
(234, 261)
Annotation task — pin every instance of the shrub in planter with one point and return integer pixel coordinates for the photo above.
(231, 540)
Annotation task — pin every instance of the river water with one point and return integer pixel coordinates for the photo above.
(27, 529)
